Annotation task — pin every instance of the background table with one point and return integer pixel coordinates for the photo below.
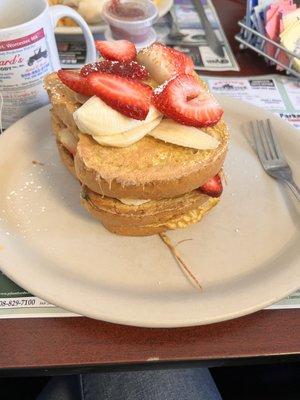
(37, 346)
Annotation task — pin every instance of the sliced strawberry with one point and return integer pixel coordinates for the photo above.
(129, 97)
(163, 62)
(213, 187)
(75, 82)
(116, 50)
(90, 68)
(185, 101)
(128, 69)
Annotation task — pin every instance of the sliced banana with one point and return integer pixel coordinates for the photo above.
(66, 138)
(91, 10)
(133, 202)
(187, 136)
(159, 71)
(97, 118)
(127, 138)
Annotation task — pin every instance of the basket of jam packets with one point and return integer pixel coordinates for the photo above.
(272, 29)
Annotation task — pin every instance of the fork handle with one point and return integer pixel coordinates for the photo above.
(294, 188)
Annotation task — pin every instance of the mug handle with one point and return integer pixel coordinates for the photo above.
(58, 12)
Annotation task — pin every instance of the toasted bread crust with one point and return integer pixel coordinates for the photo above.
(155, 190)
(113, 212)
(135, 231)
(150, 218)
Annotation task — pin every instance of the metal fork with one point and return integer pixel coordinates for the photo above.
(271, 156)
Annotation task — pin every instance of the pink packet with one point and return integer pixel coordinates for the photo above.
(271, 28)
(274, 14)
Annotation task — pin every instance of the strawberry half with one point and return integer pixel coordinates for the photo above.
(129, 97)
(75, 82)
(127, 69)
(163, 62)
(116, 50)
(213, 187)
(185, 101)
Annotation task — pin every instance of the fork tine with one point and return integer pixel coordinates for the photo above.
(275, 141)
(269, 139)
(260, 127)
(258, 144)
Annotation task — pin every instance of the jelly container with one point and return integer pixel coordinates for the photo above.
(131, 20)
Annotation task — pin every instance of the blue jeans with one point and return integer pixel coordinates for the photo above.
(168, 384)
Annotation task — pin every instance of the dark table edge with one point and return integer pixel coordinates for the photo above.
(93, 368)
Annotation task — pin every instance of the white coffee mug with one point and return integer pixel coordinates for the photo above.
(28, 52)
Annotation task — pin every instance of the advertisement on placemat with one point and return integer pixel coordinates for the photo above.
(276, 93)
(16, 302)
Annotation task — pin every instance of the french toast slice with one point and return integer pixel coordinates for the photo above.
(150, 218)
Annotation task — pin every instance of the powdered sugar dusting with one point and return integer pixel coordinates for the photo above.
(160, 88)
(126, 69)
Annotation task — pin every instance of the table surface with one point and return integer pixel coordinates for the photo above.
(72, 343)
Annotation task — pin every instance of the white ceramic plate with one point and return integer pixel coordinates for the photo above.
(163, 8)
(245, 252)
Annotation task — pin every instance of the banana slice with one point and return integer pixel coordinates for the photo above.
(91, 10)
(187, 136)
(97, 118)
(133, 202)
(66, 138)
(127, 138)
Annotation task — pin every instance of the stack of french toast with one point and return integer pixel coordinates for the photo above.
(143, 135)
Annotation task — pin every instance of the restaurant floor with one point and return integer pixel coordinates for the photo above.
(263, 382)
